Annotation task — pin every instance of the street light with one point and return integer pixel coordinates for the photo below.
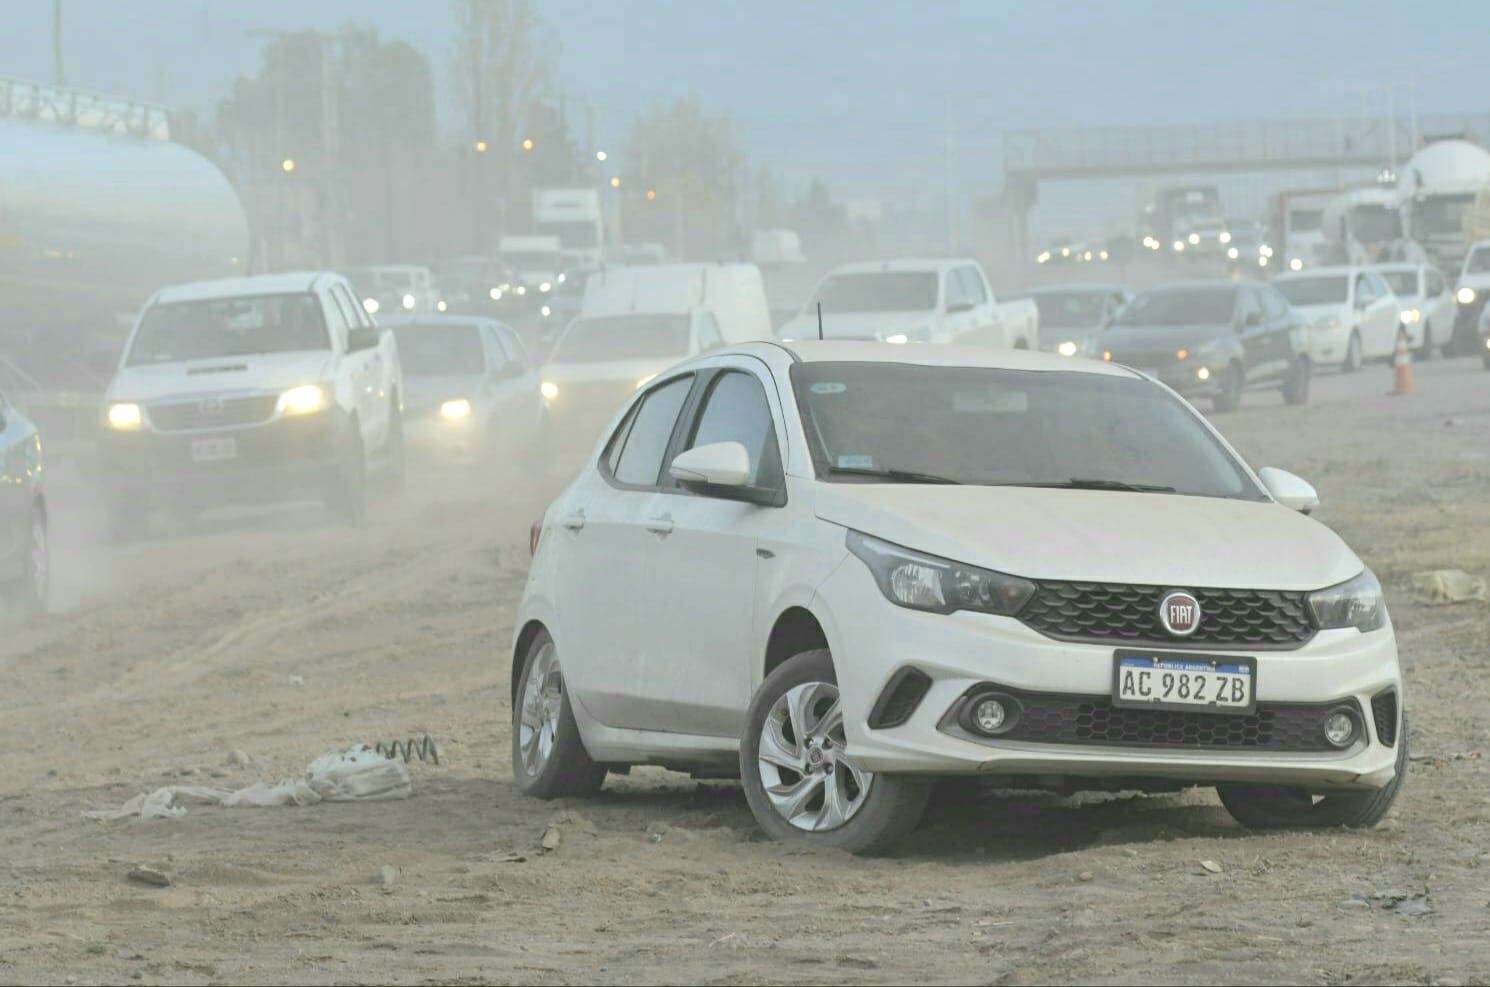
(288, 164)
(651, 194)
(527, 143)
(481, 147)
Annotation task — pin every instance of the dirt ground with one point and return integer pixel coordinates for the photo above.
(279, 637)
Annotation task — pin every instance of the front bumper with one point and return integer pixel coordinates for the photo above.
(439, 439)
(963, 651)
(282, 460)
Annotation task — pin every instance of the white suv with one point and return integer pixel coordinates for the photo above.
(841, 569)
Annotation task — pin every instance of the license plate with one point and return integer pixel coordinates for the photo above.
(1155, 680)
(213, 450)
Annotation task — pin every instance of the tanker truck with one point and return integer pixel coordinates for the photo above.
(1436, 190)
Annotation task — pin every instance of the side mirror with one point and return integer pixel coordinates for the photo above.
(1289, 490)
(719, 469)
(363, 338)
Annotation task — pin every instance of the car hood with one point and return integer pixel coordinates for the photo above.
(1122, 339)
(422, 394)
(260, 372)
(1099, 536)
(1479, 281)
(857, 325)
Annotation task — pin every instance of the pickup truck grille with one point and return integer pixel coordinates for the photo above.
(209, 413)
(1129, 614)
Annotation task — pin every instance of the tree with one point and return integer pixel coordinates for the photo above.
(691, 160)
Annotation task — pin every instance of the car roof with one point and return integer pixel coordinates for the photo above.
(926, 264)
(1084, 286)
(1328, 269)
(435, 321)
(943, 355)
(293, 283)
(1193, 286)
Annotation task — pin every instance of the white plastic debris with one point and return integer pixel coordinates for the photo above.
(1439, 586)
(356, 774)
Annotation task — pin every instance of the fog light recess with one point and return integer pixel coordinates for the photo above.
(1341, 727)
(990, 714)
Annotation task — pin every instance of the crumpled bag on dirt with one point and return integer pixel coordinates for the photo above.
(356, 774)
(1440, 586)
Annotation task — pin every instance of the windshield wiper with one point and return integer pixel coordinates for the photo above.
(893, 475)
(1080, 483)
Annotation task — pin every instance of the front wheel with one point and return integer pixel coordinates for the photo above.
(1280, 807)
(1425, 349)
(1296, 387)
(394, 452)
(346, 501)
(1353, 356)
(33, 589)
(799, 775)
(549, 759)
(1230, 395)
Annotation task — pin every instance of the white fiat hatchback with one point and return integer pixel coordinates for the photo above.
(842, 569)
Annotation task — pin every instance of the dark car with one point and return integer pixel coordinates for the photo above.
(24, 563)
(1071, 315)
(1213, 339)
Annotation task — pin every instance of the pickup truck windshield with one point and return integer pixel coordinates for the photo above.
(879, 291)
(440, 351)
(1478, 262)
(1404, 283)
(607, 339)
(1322, 290)
(1069, 309)
(899, 422)
(1180, 307)
(1374, 224)
(226, 327)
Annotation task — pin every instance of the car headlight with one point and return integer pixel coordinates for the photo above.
(1225, 236)
(522, 289)
(925, 582)
(455, 410)
(440, 305)
(1067, 348)
(306, 399)
(1466, 296)
(546, 311)
(408, 301)
(549, 390)
(897, 337)
(1328, 322)
(1233, 253)
(1410, 316)
(1354, 603)
(495, 294)
(126, 416)
(545, 287)
(370, 306)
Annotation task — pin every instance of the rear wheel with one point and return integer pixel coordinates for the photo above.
(1353, 357)
(549, 759)
(1296, 387)
(1230, 395)
(32, 590)
(1281, 807)
(346, 502)
(799, 775)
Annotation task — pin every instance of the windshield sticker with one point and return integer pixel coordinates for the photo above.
(855, 462)
(829, 387)
(990, 402)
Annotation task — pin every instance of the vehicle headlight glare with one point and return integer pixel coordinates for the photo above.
(545, 311)
(1354, 603)
(546, 287)
(408, 301)
(370, 306)
(1466, 296)
(456, 410)
(549, 390)
(897, 338)
(306, 399)
(1067, 348)
(925, 582)
(1233, 253)
(496, 294)
(1410, 316)
(1204, 373)
(126, 417)
(1225, 236)
(1194, 239)
(1295, 265)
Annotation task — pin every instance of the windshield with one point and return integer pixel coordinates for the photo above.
(623, 337)
(1441, 215)
(578, 234)
(1478, 261)
(1069, 309)
(227, 327)
(880, 291)
(1305, 220)
(532, 260)
(988, 427)
(1180, 307)
(440, 351)
(1321, 290)
(1403, 283)
(1374, 224)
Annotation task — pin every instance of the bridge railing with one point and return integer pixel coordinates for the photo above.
(78, 108)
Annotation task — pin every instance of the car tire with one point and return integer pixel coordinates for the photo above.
(346, 502)
(1280, 807)
(394, 453)
(877, 815)
(1296, 387)
(1425, 351)
(1353, 357)
(31, 592)
(1230, 396)
(549, 759)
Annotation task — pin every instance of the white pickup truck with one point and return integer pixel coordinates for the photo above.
(251, 390)
(916, 301)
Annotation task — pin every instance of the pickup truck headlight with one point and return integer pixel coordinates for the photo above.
(925, 582)
(307, 399)
(1411, 316)
(455, 410)
(125, 416)
(1466, 296)
(1354, 603)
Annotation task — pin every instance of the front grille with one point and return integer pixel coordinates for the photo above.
(1384, 712)
(184, 416)
(1051, 718)
(1127, 614)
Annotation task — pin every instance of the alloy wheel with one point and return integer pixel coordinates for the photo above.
(803, 760)
(542, 703)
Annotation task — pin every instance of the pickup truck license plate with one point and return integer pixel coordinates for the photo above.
(213, 450)
(1202, 683)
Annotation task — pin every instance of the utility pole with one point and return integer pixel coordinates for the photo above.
(57, 42)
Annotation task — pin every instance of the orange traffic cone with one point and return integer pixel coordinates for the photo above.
(1402, 362)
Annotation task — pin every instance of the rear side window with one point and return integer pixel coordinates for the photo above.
(709, 336)
(972, 283)
(736, 411)
(647, 434)
(1435, 283)
(1274, 305)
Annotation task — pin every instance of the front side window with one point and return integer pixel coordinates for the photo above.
(1479, 261)
(736, 411)
(973, 285)
(440, 351)
(1403, 283)
(1181, 307)
(896, 422)
(1326, 289)
(648, 432)
(220, 328)
(1070, 309)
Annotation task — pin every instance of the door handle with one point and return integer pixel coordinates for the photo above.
(661, 525)
(575, 521)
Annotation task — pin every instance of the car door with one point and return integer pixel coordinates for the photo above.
(1384, 313)
(984, 315)
(1281, 321)
(362, 366)
(1438, 303)
(521, 402)
(702, 570)
(1257, 344)
(606, 615)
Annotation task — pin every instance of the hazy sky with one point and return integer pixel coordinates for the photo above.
(859, 92)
